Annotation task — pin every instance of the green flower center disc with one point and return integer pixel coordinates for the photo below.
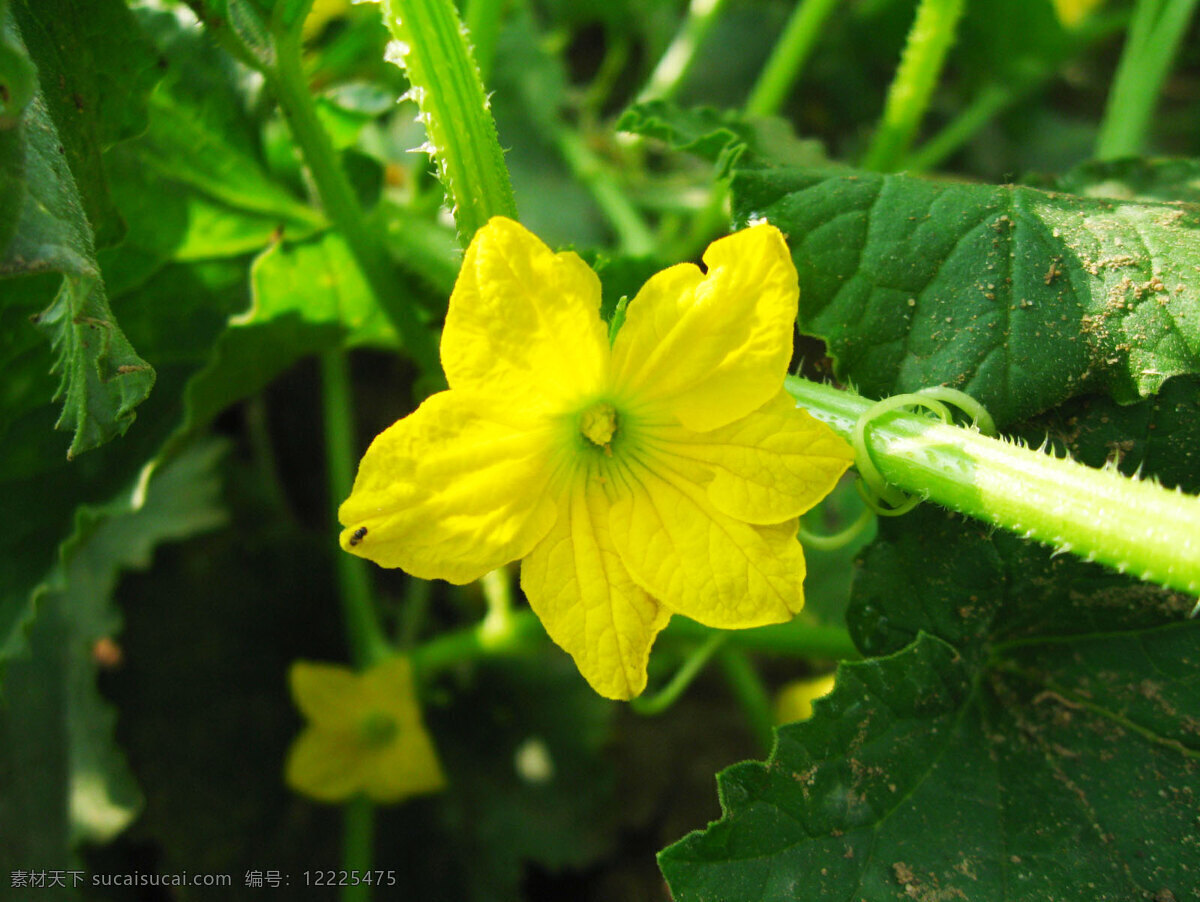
(378, 729)
(599, 424)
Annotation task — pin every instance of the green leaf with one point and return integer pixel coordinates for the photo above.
(177, 316)
(101, 378)
(989, 749)
(307, 297)
(66, 779)
(202, 134)
(97, 68)
(213, 199)
(991, 762)
(1161, 435)
(1168, 180)
(1022, 298)
(724, 137)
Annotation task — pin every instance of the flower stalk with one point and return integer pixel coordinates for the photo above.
(1132, 525)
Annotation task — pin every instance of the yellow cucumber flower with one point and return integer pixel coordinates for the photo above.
(795, 700)
(662, 474)
(364, 734)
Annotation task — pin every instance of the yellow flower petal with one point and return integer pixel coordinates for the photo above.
(329, 695)
(770, 466)
(343, 751)
(389, 687)
(325, 765)
(712, 348)
(584, 596)
(524, 323)
(700, 562)
(407, 767)
(450, 492)
(795, 700)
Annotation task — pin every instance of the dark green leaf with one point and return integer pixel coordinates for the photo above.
(1168, 180)
(725, 137)
(177, 315)
(989, 750)
(1160, 435)
(990, 761)
(97, 68)
(307, 297)
(101, 378)
(1022, 298)
(66, 781)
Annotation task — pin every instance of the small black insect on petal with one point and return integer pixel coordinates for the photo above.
(358, 535)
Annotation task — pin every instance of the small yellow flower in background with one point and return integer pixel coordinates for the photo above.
(364, 734)
(1073, 12)
(662, 474)
(795, 700)
(322, 13)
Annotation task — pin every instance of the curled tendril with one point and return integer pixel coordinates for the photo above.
(886, 500)
(840, 539)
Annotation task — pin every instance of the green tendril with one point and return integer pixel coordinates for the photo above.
(688, 671)
(886, 500)
(838, 539)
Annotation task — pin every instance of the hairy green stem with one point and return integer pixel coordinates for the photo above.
(342, 207)
(912, 86)
(789, 56)
(431, 46)
(367, 644)
(1157, 29)
(1132, 525)
(675, 62)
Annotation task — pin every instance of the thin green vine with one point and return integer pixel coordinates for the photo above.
(791, 52)
(1155, 34)
(291, 88)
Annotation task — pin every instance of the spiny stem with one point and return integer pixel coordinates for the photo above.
(430, 45)
(929, 40)
(1131, 525)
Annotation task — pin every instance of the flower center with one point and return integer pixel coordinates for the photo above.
(377, 729)
(599, 424)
